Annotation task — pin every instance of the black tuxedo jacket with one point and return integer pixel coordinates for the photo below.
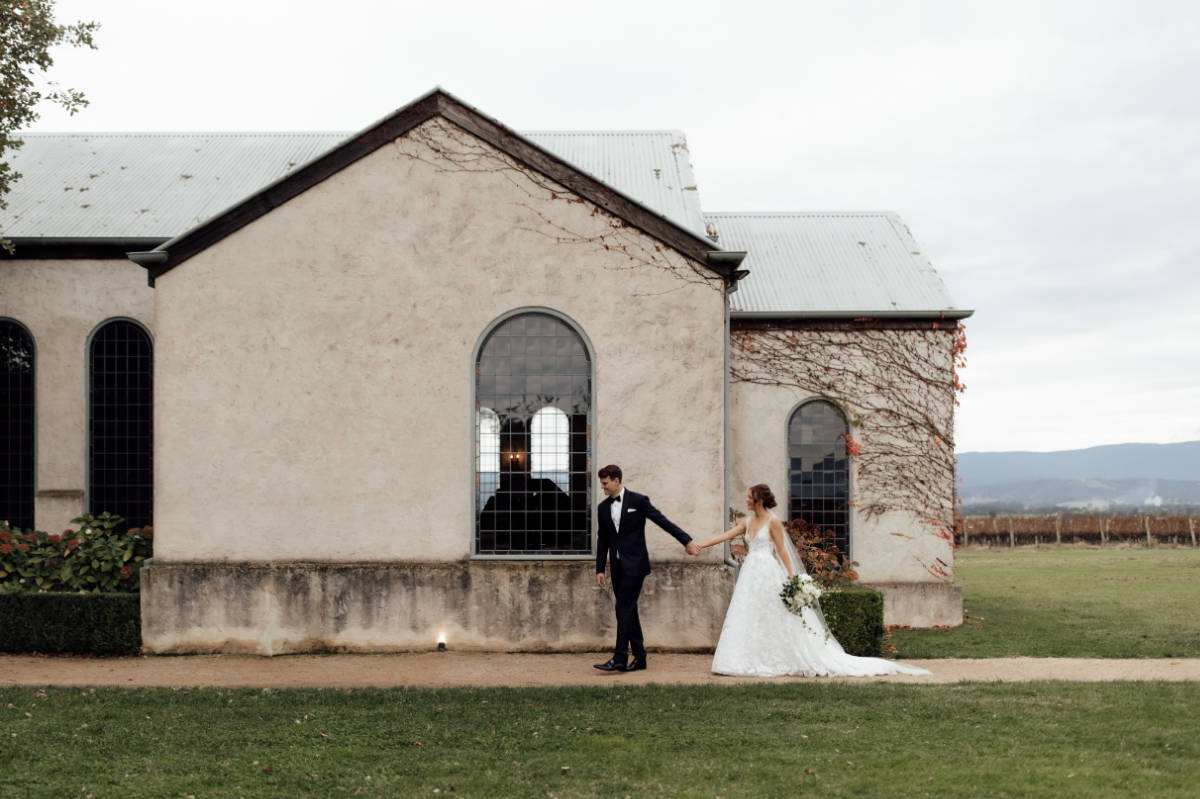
(628, 545)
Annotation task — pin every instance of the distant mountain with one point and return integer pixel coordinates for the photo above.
(1114, 476)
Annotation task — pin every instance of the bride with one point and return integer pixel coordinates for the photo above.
(760, 637)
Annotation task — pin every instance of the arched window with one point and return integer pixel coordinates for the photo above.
(17, 363)
(818, 470)
(120, 422)
(534, 375)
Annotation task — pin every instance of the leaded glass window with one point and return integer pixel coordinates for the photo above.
(818, 470)
(16, 425)
(120, 423)
(533, 395)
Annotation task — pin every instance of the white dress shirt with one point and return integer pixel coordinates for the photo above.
(615, 507)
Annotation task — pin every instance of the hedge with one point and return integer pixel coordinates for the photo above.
(854, 614)
(102, 624)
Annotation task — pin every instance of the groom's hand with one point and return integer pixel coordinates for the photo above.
(692, 548)
(600, 579)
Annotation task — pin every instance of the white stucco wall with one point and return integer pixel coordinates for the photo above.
(895, 547)
(61, 302)
(314, 369)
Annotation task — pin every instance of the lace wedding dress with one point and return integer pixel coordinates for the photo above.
(761, 638)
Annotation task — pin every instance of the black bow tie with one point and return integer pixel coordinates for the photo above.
(617, 498)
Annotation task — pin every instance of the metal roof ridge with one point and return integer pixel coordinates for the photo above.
(164, 133)
(436, 103)
(605, 132)
(743, 214)
(156, 133)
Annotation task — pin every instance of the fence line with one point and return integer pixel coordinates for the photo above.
(1044, 528)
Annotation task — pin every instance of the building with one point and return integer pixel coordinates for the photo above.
(362, 384)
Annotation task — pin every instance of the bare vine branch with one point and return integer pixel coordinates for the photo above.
(448, 148)
(897, 383)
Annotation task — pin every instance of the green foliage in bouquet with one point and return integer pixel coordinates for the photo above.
(92, 556)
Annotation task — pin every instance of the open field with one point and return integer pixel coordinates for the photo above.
(831, 739)
(1070, 602)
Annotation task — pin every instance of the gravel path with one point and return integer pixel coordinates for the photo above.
(451, 669)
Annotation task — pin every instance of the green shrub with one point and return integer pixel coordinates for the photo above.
(854, 614)
(97, 558)
(101, 624)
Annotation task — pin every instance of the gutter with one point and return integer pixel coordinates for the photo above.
(148, 260)
(727, 262)
(44, 247)
(953, 313)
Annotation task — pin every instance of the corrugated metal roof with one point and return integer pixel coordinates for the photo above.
(651, 166)
(143, 184)
(116, 185)
(830, 264)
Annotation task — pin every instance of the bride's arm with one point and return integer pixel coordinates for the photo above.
(732, 532)
(777, 539)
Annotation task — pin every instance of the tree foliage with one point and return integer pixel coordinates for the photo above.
(28, 32)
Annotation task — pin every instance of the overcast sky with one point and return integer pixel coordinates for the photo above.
(1046, 155)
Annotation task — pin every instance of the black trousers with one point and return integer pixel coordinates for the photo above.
(626, 589)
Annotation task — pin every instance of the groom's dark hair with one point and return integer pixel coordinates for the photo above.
(611, 471)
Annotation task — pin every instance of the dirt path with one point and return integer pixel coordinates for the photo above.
(450, 669)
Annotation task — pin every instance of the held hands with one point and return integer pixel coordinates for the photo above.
(693, 548)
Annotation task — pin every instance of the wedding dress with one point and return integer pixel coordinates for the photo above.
(761, 638)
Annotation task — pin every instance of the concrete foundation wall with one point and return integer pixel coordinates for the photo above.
(272, 609)
(921, 604)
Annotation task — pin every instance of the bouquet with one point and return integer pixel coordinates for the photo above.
(799, 592)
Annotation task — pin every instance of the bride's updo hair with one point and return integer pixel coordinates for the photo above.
(762, 493)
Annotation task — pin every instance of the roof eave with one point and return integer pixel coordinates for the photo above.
(952, 313)
(46, 247)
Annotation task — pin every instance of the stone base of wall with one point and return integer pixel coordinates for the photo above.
(921, 604)
(281, 608)
(278, 608)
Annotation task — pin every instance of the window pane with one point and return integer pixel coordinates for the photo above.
(818, 471)
(16, 425)
(120, 424)
(487, 467)
(533, 375)
(550, 439)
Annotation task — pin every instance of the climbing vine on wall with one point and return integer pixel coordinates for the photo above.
(448, 148)
(897, 382)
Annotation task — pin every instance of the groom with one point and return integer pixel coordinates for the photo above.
(622, 532)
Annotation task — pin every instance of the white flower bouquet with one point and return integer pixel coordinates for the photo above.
(799, 592)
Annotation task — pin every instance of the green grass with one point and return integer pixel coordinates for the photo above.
(821, 739)
(1068, 602)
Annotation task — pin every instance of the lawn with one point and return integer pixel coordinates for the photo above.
(1070, 602)
(821, 739)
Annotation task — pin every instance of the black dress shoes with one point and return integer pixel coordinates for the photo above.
(638, 664)
(612, 664)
